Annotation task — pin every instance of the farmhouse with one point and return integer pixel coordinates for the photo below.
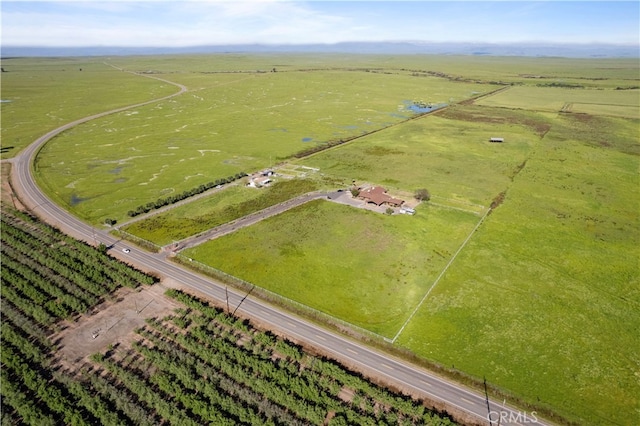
(499, 140)
(378, 195)
(260, 181)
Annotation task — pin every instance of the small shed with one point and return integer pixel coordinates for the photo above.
(498, 140)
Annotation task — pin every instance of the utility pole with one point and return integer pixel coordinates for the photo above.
(486, 395)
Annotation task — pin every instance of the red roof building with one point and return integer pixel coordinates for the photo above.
(378, 195)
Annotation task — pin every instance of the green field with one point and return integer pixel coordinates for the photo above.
(621, 103)
(443, 152)
(359, 266)
(224, 206)
(543, 299)
(40, 95)
(241, 123)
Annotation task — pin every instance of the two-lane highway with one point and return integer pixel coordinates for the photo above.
(396, 372)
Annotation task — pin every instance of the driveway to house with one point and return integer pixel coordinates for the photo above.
(339, 196)
(248, 220)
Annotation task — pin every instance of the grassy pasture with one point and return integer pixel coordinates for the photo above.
(47, 93)
(622, 103)
(384, 266)
(590, 73)
(601, 73)
(453, 158)
(544, 299)
(224, 206)
(183, 65)
(241, 123)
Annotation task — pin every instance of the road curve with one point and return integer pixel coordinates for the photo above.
(395, 371)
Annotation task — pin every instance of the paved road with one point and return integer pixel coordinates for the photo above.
(395, 371)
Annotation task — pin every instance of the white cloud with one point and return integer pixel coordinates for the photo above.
(174, 23)
(167, 23)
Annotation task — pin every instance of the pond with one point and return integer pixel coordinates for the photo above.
(422, 107)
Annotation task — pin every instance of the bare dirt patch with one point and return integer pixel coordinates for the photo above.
(7, 195)
(112, 322)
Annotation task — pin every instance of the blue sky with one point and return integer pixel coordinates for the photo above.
(166, 23)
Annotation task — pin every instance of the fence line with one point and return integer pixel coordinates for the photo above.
(464, 243)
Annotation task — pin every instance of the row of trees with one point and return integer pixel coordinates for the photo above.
(161, 202)
(55, 279)
(47, 276)
(261, 372)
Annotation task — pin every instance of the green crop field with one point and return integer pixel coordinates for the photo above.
(543, 298)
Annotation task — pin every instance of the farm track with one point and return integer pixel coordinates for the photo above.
(465, 404)
(486, 95)
(341, 197)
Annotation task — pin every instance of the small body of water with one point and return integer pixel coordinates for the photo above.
(116, 171)
(422, 107)
(5, 101)
(75, 200)
(307, 139)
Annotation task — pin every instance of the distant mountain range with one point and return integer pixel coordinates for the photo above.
(399, 48)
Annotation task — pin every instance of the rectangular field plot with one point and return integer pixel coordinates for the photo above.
(610, 110)
(622, 103)
(365, 268)
(216, 209)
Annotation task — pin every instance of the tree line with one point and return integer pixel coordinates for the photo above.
(172, 199)
(48, 276)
